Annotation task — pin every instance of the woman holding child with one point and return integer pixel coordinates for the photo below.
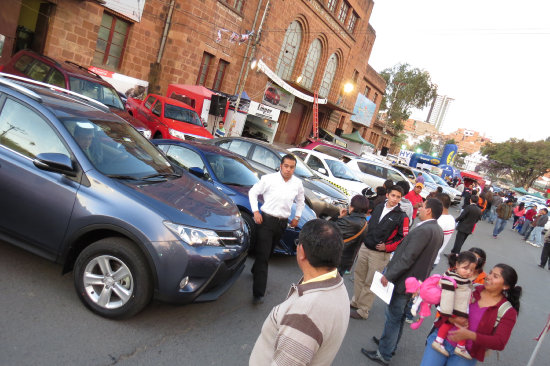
(492, 315)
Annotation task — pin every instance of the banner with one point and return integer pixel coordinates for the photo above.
(283, 84)
(263, 111)
(129, 8)
(129, 86)
(363, 111)
(277, 97)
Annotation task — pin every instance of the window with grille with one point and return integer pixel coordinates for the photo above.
(236, 4)
(289, 50)
(352, 22)
(332, 5)
(367, 91)
(311, 63)
(111, 40)
(343, 12)
(328, 76)
(220, 73)
(205, 65)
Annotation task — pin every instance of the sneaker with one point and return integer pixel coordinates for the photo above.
(537, 245)
(439, 347)
(541, 266)
(355, 315)
(409, 320)
(529, 242)
(462, 353)
(494, 236)
(375, 356)
(258, 300)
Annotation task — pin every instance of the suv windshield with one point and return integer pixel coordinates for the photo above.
(301, 168)
(426, 176)
(231, 170)
(438, 180)
(96, 91)
(182, 114)
(340, 170)
(117, 149)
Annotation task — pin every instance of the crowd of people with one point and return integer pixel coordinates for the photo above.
(401, 237)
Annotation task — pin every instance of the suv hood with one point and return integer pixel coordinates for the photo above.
(186, 201)
(317, 184)
(188, 128)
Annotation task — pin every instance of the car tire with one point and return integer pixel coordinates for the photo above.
(158, 135)
(251, 226)
(97, 283)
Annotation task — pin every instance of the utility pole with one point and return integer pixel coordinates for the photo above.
(247, 68)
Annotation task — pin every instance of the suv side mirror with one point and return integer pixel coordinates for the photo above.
(322, 171)
(55, 162)
(196, 171)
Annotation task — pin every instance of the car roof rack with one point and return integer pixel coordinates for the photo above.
(20, 88)
(83, 68)
(49, 86)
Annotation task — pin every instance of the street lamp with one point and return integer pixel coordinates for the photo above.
(419, 150)
(348, 87)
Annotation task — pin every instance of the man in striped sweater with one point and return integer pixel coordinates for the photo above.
(309, 326)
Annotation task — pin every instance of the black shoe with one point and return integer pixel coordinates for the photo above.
(353, 307)
(375, 356)
(377, 342)
(258, 300)
(541, 266)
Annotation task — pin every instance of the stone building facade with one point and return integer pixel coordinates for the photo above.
(204, 42)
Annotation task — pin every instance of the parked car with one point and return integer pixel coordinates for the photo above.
(412, 173)
(233, 176)
(83, 188)
(71, 76)
(454, 194)
(325, 199)
(168, 118)
(375, 173)
(326, 148)
(333, 171)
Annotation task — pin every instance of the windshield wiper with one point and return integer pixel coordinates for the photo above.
(236, 184)
(116, 176)
(161, 175)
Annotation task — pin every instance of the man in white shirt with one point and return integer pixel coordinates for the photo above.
(446, 222)
(279, 191)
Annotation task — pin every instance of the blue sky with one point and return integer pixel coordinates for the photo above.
(491, 56)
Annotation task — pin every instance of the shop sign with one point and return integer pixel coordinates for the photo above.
(276, 97)
(263, 111)
(363, 111)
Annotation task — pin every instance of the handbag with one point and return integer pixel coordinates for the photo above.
(356, 235)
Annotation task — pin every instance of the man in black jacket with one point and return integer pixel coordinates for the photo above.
(413, 258)
(466, 223)
(388, 226)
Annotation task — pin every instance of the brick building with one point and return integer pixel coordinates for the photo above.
(312, 45)
(468, 141)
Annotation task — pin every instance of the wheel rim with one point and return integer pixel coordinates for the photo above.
(108, 282)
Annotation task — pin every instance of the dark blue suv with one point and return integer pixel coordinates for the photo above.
(82, 187)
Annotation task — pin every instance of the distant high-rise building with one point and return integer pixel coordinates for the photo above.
(438, 111)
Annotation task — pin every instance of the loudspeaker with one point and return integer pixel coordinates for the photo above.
(217, 105)
(384, 151)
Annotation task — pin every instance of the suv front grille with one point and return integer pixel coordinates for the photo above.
(231, 237)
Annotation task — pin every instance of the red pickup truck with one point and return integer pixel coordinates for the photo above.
(168, 118)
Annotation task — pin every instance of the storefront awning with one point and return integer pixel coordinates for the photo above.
(327, 105)
(356, 137)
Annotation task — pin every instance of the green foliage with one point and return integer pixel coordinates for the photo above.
(450, 141)
(426, 145)
(525, 160)
(398, 139)
(406, 88)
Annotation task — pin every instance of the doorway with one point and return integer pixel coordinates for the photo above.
(32, 26)
(293, 124)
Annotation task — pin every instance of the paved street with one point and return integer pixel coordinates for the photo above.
(43, 322)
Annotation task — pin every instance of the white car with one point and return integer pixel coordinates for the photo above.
(412, 173)
(375, 173)
(333, 171)
(455, 194)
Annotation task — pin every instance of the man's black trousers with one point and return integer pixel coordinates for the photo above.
(269, 234)
(459, 241)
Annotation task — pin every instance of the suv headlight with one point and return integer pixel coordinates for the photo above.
(147, 134)
(194, 236)
(176, 134)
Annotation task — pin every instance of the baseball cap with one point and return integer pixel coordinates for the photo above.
(419, 184)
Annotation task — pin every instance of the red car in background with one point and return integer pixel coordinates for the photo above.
(168, 118)
(326, 147)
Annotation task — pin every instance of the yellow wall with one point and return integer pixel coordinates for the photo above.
(29, 13)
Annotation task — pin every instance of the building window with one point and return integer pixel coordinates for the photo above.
(355, 76)
(289, 50)
(375, 98)
(367, 91)
(236, 4)
(111, 40)
(328, 76)
(343, 12)
(332, 5)
(220, 73)
(205, 65)
(311, 63)
(352, 22)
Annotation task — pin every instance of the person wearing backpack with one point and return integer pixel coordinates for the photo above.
(492, 314)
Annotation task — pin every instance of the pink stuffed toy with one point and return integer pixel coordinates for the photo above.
(429, 293)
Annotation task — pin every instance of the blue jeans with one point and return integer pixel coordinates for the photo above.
(492, 214)
(433, 358)
(499, 226)
(525, 226)
(536, 235)
(393, 327)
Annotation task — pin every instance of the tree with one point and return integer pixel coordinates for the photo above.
(450, 142)
(426, 145)
(525, 160)
(406, 88)
(398, 139)
(494, 169)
